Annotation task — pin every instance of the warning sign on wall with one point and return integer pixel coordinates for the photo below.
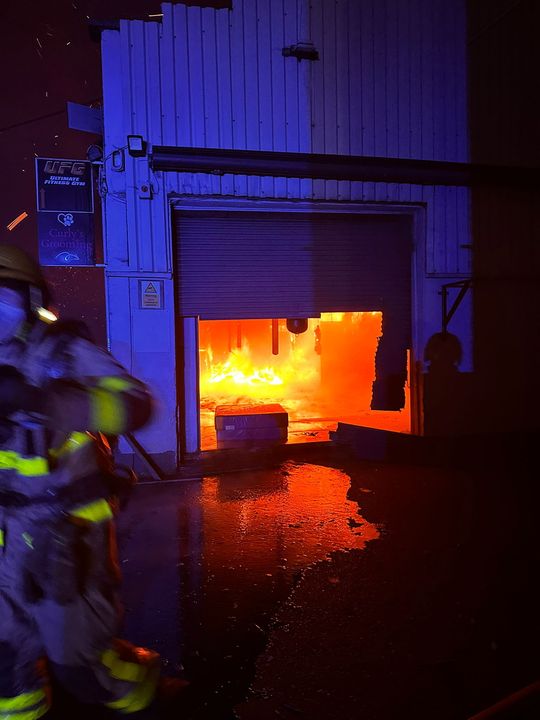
(151, 294)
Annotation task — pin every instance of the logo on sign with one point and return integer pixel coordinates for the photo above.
(64, 167)
(67, 258)
(66, 219)
(151, 296)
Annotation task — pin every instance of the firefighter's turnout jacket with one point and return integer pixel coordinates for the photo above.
(58, 573)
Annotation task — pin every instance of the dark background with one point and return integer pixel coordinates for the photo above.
(48, 57)
(504, 59)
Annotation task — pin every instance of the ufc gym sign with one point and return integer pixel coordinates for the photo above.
(65, 203)
(64, 185)
(65, 167)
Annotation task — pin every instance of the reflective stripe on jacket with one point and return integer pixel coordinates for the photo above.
(59, 457)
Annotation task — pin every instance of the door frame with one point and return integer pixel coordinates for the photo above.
(187, 347)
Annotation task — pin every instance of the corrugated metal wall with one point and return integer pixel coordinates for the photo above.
(390, 82)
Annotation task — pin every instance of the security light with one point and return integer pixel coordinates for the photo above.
(136, 145)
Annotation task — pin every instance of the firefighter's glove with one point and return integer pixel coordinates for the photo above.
(16, 394)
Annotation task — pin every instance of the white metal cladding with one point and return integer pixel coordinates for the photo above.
(235, 265)
(391, 81)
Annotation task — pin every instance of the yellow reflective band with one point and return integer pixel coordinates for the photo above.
(115, 383)
(26, 466)
(107, 412)
(95, 512)
(22, 702)
(1, 538)
(75, 441)
(121, 669)
(140, 697)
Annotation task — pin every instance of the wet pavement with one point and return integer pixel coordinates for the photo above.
(334, 588)
(211, 561)
(437, 619)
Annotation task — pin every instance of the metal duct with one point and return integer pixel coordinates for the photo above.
(338, 167)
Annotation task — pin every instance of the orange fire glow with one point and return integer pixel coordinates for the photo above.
(251, 372)
(319, 377)
(239, 370)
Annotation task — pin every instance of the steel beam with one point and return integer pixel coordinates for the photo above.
(338, 167)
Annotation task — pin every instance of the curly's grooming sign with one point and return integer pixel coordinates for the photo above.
(65, 204)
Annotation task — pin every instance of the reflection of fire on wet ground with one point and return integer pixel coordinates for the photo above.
(207, 564)
(298, 513)
(261, 529)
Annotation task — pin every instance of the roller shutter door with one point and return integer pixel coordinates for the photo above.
(261, 265)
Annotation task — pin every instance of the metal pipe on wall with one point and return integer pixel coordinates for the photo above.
(338, 167)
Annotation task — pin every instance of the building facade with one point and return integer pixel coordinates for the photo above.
(183, 247)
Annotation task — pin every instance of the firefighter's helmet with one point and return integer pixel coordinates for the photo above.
(16, 265)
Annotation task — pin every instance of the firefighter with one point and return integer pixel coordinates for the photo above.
(60, 396)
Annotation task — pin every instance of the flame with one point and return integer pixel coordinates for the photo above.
(324, 372)
(355, 317)
(320, 376)
(239, 369)
(241, 375)
(332, 317)
(293, 377)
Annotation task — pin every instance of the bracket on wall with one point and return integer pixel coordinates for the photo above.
(448, 314)
(145, 190)
(301, 51)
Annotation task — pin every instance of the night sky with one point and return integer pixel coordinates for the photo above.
(48, 57)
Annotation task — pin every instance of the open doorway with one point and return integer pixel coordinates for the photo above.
(320, 375)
